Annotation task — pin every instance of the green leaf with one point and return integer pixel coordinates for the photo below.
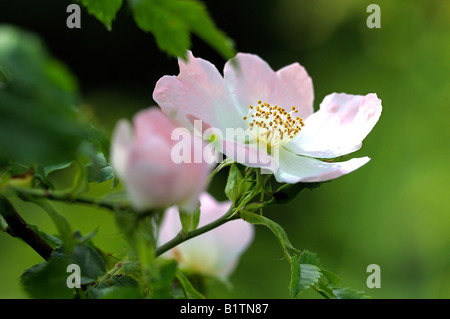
(189, 220)
(189, 291)
(325, 290)
(131, 268)
(309, 275)
(348, 293)
(124, 281)
(87, 239)
(41, 173)
(56, 167)
(203, 26)
(332, 278)
(53, 241)
(109, 259)
(5, 76)
(163, 276)
(48, 280)
(99, 170)
(309, 267)
(172, 22)
(276, 229)
(90, 262)
(104, 10)
(61, 223)
(39, 121)
(303, 276)
(308, 257)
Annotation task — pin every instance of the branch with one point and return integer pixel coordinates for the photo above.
(180, 238)
(67, 197)
(17, 227)
(231, 214)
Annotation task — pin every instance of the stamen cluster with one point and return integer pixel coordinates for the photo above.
(273, 124)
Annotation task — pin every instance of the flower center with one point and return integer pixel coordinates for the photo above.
(273, 125)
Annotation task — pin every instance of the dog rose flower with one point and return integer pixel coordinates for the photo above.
(214, 253)
(276, 109)
(142, 157)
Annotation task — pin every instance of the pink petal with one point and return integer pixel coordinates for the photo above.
(144, 163)
(193, 176)
(152, 122)
(296, 168)
(149, 183)
(254, 80)
(295, 88)
(198, 92)
(154, 130)
(339, 127)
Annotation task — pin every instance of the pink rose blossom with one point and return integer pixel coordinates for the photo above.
(277, 109)
(141, 157)
(215, 253)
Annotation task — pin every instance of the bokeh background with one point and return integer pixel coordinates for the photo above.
(394, 212)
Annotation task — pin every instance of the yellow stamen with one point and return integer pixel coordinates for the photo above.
(273, 124)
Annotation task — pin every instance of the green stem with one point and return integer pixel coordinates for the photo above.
(231, 214)
(67, 197)
(180, 238)
(110, 274)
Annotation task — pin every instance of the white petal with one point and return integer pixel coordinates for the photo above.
(296, 168)
(339, 127)
(214, 253)
(122, 141)
(252, 155)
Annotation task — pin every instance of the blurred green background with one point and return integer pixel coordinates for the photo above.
(394, 211)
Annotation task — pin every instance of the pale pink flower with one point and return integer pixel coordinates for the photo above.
(337, 128)
(214, 253)
(141, 157)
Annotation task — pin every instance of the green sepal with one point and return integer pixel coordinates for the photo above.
(287, 192)
(234, 187)
(189, 220)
